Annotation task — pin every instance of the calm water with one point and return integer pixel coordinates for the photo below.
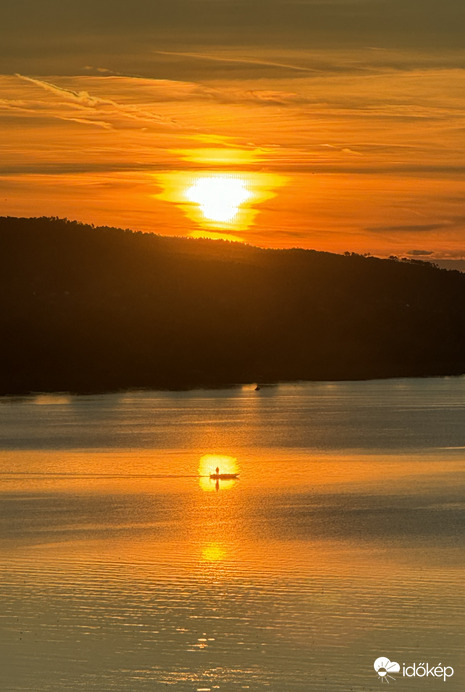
(342, 540)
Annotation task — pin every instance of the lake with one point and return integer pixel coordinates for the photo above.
(125, 568)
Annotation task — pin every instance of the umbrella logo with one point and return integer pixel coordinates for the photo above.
(384, 667)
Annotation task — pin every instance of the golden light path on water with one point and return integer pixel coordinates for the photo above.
(221, 204)
(208, 465)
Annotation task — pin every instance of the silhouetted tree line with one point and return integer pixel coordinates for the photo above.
(93, 309)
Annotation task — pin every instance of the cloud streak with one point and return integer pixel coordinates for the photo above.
(108, 106)
(238, 61)
(409, 228)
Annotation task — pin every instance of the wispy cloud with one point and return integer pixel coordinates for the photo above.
(86, 121)
(408, 228)
(450, 223)
(237, 60)
(108, 106)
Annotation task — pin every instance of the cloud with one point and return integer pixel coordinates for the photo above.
(85, 121)
(448, 224)
(237, 60)
(419, 253)
(79, 96)
(413, 228)
(85, 101)
(76, 168)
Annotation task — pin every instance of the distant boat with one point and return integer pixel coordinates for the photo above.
(223, 476)
(257, 388)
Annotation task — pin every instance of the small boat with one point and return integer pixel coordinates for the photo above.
(223, 476)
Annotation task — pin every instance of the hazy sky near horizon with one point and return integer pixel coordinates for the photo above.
(331, 124)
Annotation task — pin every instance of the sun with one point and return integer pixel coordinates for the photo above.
(221, 204)
(219, 196)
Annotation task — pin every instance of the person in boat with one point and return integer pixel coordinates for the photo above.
(217, 470)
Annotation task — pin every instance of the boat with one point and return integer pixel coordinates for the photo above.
(223, 476)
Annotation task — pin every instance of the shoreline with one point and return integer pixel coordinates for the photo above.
(206, 387)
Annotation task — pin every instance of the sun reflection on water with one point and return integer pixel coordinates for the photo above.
(213, 552)
(208, 465)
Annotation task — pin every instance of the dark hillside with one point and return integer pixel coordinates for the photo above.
(91, 309)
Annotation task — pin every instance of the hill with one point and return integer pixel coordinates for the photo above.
(94, 309)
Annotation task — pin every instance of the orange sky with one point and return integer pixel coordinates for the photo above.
(331, 142)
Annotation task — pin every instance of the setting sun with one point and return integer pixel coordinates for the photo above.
(219, 196)
(219, 204)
